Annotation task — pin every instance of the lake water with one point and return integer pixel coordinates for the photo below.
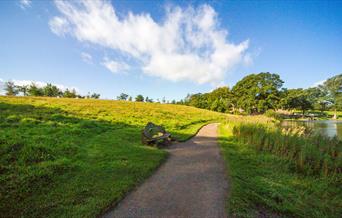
(329, 128)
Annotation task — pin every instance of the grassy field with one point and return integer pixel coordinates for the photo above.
(266, 184)
(76, 157)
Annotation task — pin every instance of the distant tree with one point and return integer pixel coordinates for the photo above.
(173, 101)
(11, 89)
(163, 100)
(51, 90)
(23, 89)
(34, 90)
(147, 99)
(130, 98)
(319, 98)
(256, 93)
(122, 97)
(333, 86)
(297, 99)
(139, 98)
(95, 95)
(70, 94)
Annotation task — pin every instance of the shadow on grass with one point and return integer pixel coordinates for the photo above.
(53, 163)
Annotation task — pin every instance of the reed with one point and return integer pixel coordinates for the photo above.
(310, 153)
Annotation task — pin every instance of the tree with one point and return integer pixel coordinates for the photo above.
(51, 90)
(221, 99)
(333, 86)
(34, 90)
(11, 89)
(147, 99)
(318, 97)
(23, 89)
(130, 98)
(297, 99)
(256, 93)
(95, 96)
(122, 97)
(139, 98)
(70, 94)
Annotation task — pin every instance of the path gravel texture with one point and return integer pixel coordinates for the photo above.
(191, 183)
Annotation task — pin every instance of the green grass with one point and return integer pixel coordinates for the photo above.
(264, 184)
(310, 153)
(77, 157)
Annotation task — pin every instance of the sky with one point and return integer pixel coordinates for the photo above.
(167, 48)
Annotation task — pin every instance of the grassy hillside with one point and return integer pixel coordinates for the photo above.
(76, 157)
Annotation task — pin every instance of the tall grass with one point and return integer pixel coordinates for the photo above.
(309, 153)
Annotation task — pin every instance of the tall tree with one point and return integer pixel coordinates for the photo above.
(296, 99)
(70, 94)
(51, 90)
(139, 98)
(34, 90)
(122, 97)
(334, 87)
(257, 93)
(11, 89)
(23, 89)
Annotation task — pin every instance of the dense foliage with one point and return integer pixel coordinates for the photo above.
(258, 93)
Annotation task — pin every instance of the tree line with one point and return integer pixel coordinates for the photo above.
(141, 98)
(49, 90)
(258, 93)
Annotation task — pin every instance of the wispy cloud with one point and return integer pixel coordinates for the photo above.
(187, 44)
(59, 26)
(86, 57)
(115, 66)
(318, 83)
(25, 4)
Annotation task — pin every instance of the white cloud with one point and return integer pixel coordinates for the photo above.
(59, 26)
(86, 57)
(25, 4)
(114, 66)
(318, 83)
(187, 44)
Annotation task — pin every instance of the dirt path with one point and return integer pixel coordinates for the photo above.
(192, 183)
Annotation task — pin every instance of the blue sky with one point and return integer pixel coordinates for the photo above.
(140, 47)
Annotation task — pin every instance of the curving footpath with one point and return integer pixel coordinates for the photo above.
(191, 183)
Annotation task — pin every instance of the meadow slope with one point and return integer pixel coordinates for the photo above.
(76, 157)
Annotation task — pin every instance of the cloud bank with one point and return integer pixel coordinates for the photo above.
(186, 44)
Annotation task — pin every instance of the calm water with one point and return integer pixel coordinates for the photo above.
(327, 127)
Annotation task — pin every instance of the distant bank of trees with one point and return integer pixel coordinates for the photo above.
(258, 93)
(254, 94)
(49, 90)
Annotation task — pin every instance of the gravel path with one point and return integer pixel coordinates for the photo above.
(191, 183)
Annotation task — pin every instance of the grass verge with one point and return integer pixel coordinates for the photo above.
(265, 185)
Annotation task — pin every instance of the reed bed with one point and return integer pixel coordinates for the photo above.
(310, 153)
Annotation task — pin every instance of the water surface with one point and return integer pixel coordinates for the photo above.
(329, 128)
